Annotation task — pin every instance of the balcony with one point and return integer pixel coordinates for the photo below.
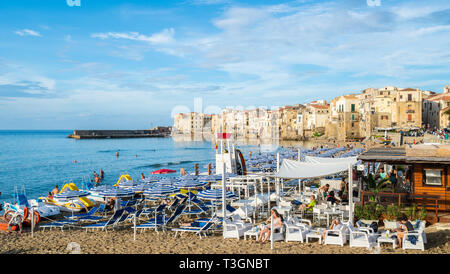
(410, 111)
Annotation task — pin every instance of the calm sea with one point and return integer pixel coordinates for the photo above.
(39, 160)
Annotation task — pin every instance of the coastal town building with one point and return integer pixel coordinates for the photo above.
(354, 116)
(314, 118)
(434, 110)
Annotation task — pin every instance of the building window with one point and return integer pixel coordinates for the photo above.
(409, 117)
(353, 107)
(432, 177)
(409, 97)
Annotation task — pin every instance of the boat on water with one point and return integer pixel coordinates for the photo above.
(21, 202)
(68, 204)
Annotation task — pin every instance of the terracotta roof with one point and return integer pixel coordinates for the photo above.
(321, 106)
(408, 89)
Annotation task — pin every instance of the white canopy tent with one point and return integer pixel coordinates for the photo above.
(324, 160)
(291, 169)
(318, 167)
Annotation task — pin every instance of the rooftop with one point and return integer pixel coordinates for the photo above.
(425, 153)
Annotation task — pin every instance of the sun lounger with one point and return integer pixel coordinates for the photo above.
(58, 224)
(161, 221)
(104, 225)
(197, 230)
(89, 213)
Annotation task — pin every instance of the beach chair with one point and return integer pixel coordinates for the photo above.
(104, 225)
(296, 232)
(363, 237)
(197, 230)
(157, 210)
(121, 220)
(89, 213)
(101, 208)
(134, 214)
(415, 239)
(58, 224)
(162, 221)
(336, 236)
(278, 235)
(235, 229)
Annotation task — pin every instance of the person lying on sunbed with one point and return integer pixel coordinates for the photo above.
(277, 225)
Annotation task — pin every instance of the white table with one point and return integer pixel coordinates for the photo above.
(315, 235)
(384, 239)
(250, 233)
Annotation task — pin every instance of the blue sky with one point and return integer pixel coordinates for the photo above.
(128, 64)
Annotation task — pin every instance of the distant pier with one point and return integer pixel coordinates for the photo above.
(158, 132)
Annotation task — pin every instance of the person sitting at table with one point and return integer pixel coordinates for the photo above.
(309, 206)
(277, 225)
(335, 225)
(332, 199)
(405, 227)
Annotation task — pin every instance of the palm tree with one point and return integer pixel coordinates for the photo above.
(377, 185)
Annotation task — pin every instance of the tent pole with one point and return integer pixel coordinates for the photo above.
(223, 197)
(350, 193)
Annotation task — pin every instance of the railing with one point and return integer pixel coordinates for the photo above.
(407, 197)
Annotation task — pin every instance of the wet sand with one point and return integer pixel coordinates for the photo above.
(149, 242)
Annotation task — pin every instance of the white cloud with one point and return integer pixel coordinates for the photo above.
(164, 37)
(27, 32)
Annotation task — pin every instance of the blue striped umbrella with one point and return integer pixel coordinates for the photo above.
(140, 188)
(214, 194)
(102, 188)
(128, 184)
(189, 176)
(160, 190)
(189, 184)
(209, 178)
(167, 181)
(116, 192)
(72, 194)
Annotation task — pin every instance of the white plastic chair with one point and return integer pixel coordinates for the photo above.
(421, 238)
(234, 230)
(278, 236)
(296, 232)
(336, 236)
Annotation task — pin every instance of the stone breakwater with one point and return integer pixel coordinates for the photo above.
(106, 134)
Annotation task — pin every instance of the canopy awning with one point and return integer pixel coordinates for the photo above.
(291, 169)
(327, 160)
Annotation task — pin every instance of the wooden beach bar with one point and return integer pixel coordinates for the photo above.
(428, 175)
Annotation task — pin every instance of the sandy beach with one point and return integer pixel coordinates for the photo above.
(149, 242)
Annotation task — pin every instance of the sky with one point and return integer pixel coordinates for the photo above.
(133, 64)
